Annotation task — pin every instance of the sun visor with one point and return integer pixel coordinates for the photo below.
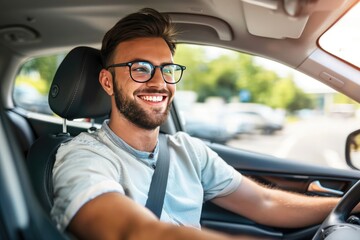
(268, 19)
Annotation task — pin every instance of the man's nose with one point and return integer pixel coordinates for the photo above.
(157, 79)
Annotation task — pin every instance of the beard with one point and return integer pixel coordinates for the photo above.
(133, 112)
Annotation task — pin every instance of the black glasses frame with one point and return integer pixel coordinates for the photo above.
(161, 67)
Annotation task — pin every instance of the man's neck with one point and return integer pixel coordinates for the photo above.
(138, 138)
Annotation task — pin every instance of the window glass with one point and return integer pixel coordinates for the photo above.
(255, 104)
(32, 86)
(33, 82)
(342, 39)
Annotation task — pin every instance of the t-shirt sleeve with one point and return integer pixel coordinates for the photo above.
(218, 178)
(80, 174)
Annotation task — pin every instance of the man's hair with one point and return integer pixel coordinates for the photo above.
(145, 23)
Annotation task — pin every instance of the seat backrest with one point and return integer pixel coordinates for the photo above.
(22, 130)
(74, 93)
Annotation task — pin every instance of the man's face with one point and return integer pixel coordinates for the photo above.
(144, 104)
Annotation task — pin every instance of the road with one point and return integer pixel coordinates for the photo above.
(319, 141)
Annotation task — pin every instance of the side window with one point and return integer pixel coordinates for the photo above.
(255, 104)
(33, 82)
(31, 91)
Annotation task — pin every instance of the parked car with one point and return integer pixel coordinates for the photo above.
(242, 122)
(208, 131)
(212, 131)
(257, 117)
(219, 43)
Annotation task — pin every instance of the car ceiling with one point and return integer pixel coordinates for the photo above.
(50, 24)
(29, 28)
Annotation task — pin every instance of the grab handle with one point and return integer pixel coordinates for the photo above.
(316, 186)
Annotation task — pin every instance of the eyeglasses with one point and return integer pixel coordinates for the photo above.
(142, 71)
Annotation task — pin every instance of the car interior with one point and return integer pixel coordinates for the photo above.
(262, 28)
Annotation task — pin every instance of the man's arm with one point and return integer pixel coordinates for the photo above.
(274, 207)
(115, 216)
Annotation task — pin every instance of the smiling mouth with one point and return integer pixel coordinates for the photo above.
(153, 98)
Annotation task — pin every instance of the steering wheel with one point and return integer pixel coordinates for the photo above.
(335, 225)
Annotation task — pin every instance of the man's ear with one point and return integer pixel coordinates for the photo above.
(106, 81)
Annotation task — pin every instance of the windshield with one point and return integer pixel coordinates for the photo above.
(342, 39)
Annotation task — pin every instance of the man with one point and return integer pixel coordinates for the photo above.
(101, 180)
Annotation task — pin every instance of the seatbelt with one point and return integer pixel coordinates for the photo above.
(159, 179)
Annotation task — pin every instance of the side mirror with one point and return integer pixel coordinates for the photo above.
(352, 150)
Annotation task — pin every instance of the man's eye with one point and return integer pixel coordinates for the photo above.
(140, 70)
(168, 71)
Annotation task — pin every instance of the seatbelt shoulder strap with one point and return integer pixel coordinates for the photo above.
(159, 179)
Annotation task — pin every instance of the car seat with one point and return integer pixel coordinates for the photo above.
(22, 129)
(74, 93)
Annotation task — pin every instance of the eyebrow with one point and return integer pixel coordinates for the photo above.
(144, 60)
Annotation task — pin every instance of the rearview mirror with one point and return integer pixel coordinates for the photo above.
(352, 149)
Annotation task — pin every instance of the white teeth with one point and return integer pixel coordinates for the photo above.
(152, 98)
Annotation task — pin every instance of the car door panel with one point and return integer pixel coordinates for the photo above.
(217, 218)
(278, 173)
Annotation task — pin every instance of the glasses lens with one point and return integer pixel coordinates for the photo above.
(172, 73)
(141, 71)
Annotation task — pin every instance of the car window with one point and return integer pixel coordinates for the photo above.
(255, 104)
(32, 86)
(33, 82)
(342, 39)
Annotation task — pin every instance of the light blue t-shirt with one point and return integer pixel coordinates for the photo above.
(93, 164)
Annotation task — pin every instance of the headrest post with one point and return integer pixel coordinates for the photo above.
(64, 126)
(92, 129)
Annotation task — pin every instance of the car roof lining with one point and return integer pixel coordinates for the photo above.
(223, 30)
(86, 23)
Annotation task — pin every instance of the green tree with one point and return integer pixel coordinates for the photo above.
(282, 93)
(196, 68)
(42, 70)
(226, 85)
(225, 75)
(301, 100)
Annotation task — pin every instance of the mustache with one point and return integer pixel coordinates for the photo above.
(151, 90)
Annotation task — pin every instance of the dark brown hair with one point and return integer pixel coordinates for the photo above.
(145, 23)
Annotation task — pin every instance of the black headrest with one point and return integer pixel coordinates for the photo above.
(75, 91)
